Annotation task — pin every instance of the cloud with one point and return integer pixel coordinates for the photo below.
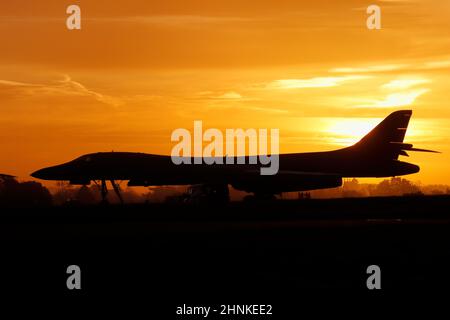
(400, 84)
(266, 110)
(252, 108)
(401, 98)
(230, 95)
(317, 82)
(170, 20)
(440, 64)
(222, 101)
(68, 86)
(167, 20)
(64, 87)
(370, 69)
(404, 95)
(399, 1)
(396, 99)
(13, 83)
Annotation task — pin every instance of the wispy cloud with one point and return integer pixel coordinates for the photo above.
(429, 64)
(232, 95)
(170, 20)
(399, 1)
(370, 69)
(225, 96)
(400, 99)
(400, 84)
(438, 64)
(317, 82)
(64, 87)
(395, 99)
(14, 83)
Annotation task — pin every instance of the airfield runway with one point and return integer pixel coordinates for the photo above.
(260, 251)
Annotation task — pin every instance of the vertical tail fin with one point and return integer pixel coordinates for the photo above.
(386, 138)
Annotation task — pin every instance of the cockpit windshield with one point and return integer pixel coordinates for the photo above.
(83, 159)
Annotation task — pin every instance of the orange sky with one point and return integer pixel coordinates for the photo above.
(139, 69)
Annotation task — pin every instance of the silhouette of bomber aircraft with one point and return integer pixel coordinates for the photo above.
(375, 155)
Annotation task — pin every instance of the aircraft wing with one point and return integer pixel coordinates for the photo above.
(285, 181)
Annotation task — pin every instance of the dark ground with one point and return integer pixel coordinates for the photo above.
(259, 253)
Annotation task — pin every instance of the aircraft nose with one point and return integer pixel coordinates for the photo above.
(50, 173)
(41, 174)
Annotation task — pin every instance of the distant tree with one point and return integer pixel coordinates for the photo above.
(352, 189)
(65, 193)
(131, 196)
(23, 194)
(396, 186)
(351, 194)
(162, 193)
(85, 195)
(352, 184)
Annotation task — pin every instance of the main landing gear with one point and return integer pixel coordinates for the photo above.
(104, 190)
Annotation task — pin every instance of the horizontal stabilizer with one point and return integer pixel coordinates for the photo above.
(424, 150)
(409, 147)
